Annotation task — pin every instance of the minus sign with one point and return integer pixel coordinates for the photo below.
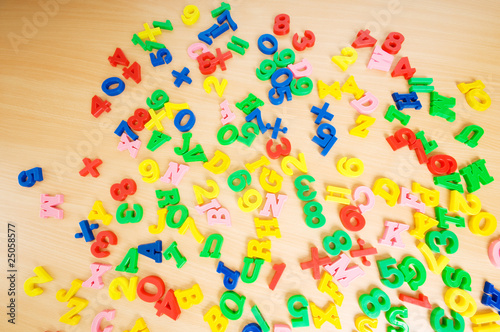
(11, 270)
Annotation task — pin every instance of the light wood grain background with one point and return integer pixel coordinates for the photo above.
(48, 80)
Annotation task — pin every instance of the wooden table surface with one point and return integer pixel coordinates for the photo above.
(54, 60)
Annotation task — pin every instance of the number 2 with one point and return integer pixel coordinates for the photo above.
(200, 192)
(219, 86)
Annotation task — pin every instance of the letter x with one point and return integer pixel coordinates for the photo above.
(131, 146)
(98, 270)
(315, 263)
(181, 77)
(149, 33)
(90, 167)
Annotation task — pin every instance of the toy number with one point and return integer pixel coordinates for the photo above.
(157, 100)
(352, 167)
(401, 138)
(392, 43)
(348, 57)
(281, 24)
(219, 87)
(139, 119)
(102, 241)
(375, 302)
(150, 170)
(245, 203)
(301, 313)
(315, 218)
(199, 192)
(351, 218)
(278, 149)
(162, 57)
(299, 163)
(247, 137)
(306, 41)
(120, 191)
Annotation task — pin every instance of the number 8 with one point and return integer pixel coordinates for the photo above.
(374, 303)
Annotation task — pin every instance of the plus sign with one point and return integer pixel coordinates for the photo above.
(90, 167)
(221, 58)
(322, 113)
(181, 77)
(315, 263)
(149, 33)
(87, 231)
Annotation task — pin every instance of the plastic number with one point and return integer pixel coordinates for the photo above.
(265, 70)
(247, 137)
(107, 86)
(280, 73)
(446, 237)
(362, 321)
(218, 86)
(306, 41)
(301, 313)
(401, 138)
(441, 164)
(314, 217)
(133, 72)
(392, 43)
(139, 119)
(325, 140)
(281, 24)
(440, 323)
(64, 296)
(348, 57)
(120, 191)
(150, 170)
(461, 301)
(277, 95)
(302, 188)
(206, 65)
(351, 218)
(162, 57)
(340, 240)
(222, 132)
(284, 58)
(278, 148)
(157, 99)
(103, 239)
(199, 192)
(302, 86)
(386, 271)
(352, 167)
(99, 106)
(245, 203)
(244, 179)
(191, 14)
(471, 204)
(299, 163)
(374, 303)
